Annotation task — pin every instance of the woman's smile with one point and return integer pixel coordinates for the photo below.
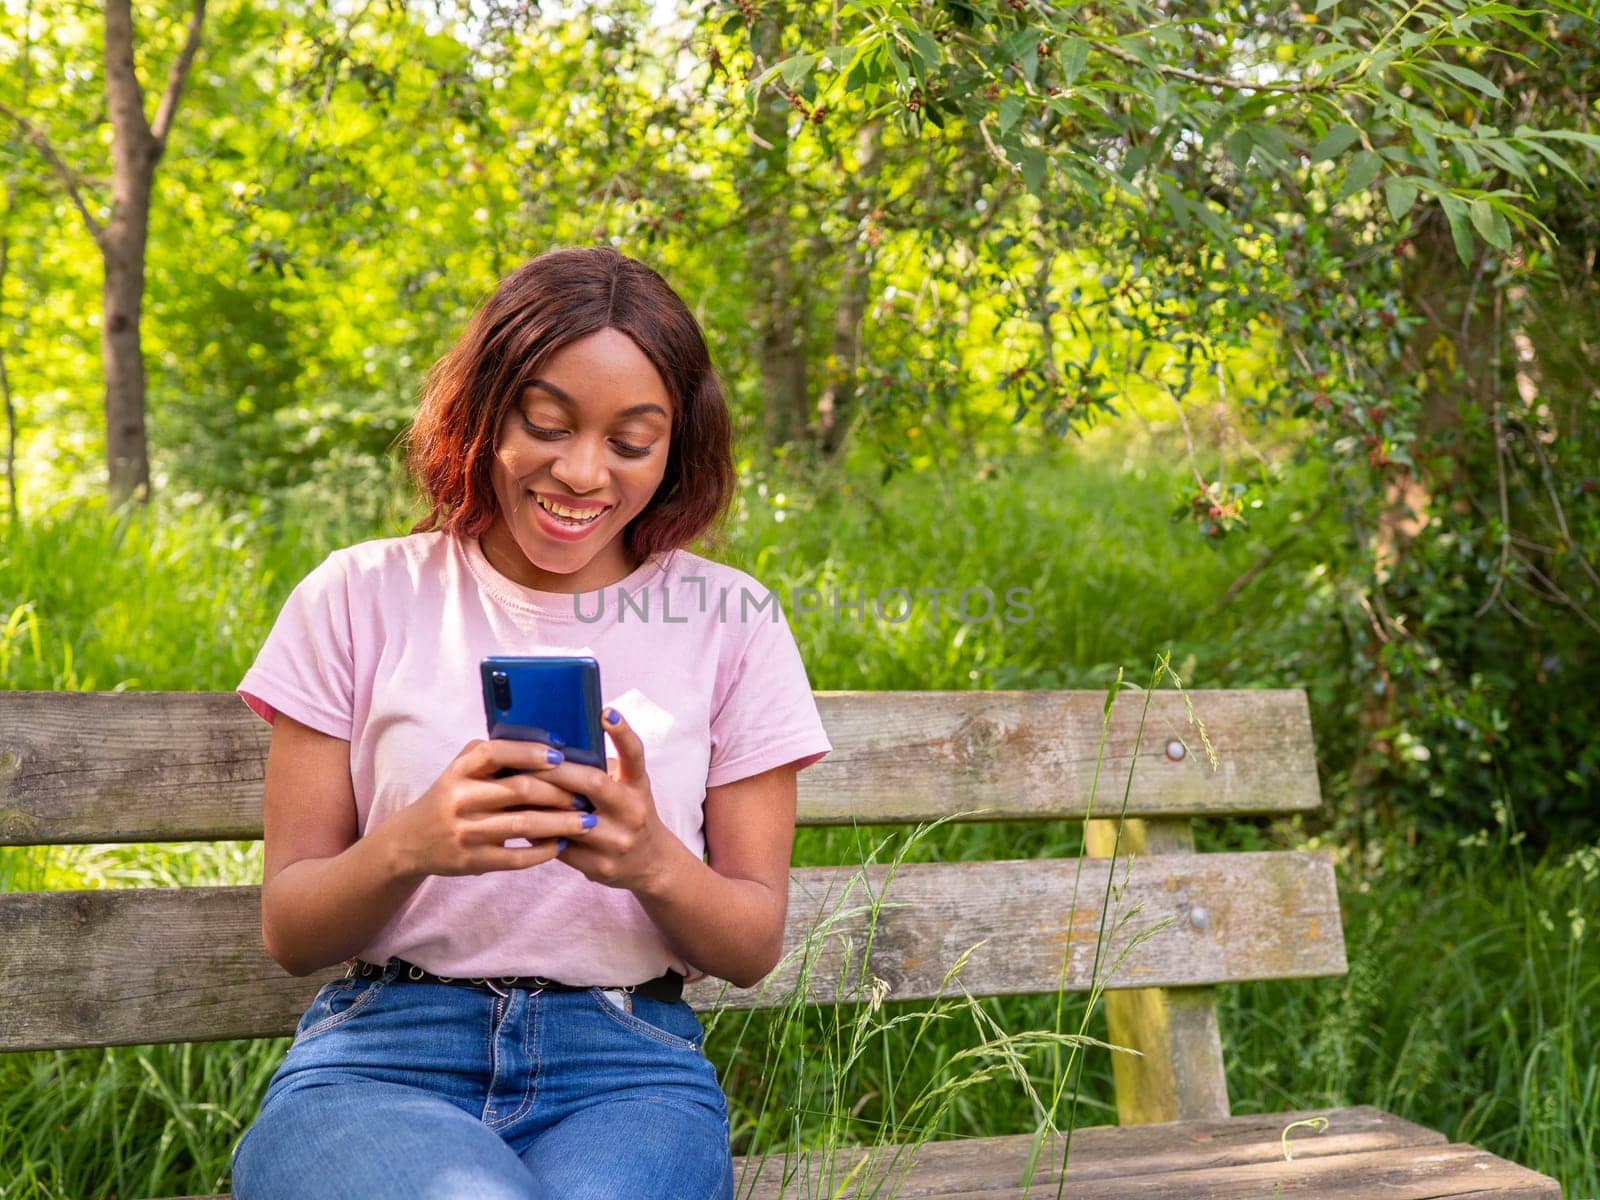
(568, 521)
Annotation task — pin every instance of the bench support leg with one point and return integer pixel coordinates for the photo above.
(1180, 1076)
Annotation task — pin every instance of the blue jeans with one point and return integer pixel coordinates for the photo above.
(400, 1089)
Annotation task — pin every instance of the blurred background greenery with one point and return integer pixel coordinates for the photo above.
(1270, 343)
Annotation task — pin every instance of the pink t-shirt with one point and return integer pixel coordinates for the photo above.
(380, 645)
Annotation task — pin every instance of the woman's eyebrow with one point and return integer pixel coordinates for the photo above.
(632, 410)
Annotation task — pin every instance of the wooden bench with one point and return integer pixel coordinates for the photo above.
(188, 965)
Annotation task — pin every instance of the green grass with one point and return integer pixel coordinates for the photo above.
(1471, 1001)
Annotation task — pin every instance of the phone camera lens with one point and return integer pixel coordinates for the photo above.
(502, 689)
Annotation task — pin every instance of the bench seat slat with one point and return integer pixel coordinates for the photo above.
(105, 767)
(1410, 1173)
(995, 1165)
(187, 964)
(1363, 1152)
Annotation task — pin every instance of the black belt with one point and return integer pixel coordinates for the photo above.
(668, 987)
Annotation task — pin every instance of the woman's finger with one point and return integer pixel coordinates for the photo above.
(514, 793)
(630, 749)
(535, 826)
(485, 759)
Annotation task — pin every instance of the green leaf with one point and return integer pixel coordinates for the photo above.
(1216, 223)
(927, 48)
(1490, 224)
(1508, 160)
(1469, 77)
(902, 77)
(1591, 140)
(1400, 194)
(1359, 175)
(1430, 147)
(1554, 159)
(841, 57)
(1032, 161)
(1335, 142)
(1073, 58)
(1085, 181)
(1271, 145)
(1010, 110)
(1455, 210)
(1239, 146)
(797, 68)
(1176, 201)
(1018, 44)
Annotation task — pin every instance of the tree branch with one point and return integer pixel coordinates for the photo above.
(1217, 81)
(69, 179)
(175, 77)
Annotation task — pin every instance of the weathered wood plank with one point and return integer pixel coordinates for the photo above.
(187, 964)
(188, 766)
(984, 1166)
(1408, 1173)
(1363, 1153)
(1178, 1074)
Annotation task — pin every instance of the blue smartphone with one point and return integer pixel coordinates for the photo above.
(554, 700)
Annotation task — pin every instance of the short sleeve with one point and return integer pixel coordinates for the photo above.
(304, 668)
(763, 713)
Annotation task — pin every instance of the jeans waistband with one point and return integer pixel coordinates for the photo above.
(668, 987)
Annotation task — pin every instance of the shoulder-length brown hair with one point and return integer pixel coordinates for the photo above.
(547, 303)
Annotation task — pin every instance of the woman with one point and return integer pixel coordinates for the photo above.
(510, 1023)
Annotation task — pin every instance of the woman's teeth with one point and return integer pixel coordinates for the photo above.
(569, 516)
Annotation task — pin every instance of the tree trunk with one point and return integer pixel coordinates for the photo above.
(134, 153)
(781, 312)
(136, 148)
(127, 454)
(836, 406)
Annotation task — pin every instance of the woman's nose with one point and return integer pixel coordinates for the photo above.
(581, 466)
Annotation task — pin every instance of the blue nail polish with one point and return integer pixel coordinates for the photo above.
(589, 820)
(561, 844)
(554, 756)
(611, 716)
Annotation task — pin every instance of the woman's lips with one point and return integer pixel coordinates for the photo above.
(563, 532)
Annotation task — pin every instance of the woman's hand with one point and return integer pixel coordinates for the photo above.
(630, 846)
(460, 824)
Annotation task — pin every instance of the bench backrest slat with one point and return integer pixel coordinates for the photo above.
(122, 966)
(188, 766)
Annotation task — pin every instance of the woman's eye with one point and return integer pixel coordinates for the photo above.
(547, 435)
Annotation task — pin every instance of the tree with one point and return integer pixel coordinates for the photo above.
(1393, 203)
(137, 145)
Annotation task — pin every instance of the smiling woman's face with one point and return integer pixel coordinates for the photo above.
(591, 435)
